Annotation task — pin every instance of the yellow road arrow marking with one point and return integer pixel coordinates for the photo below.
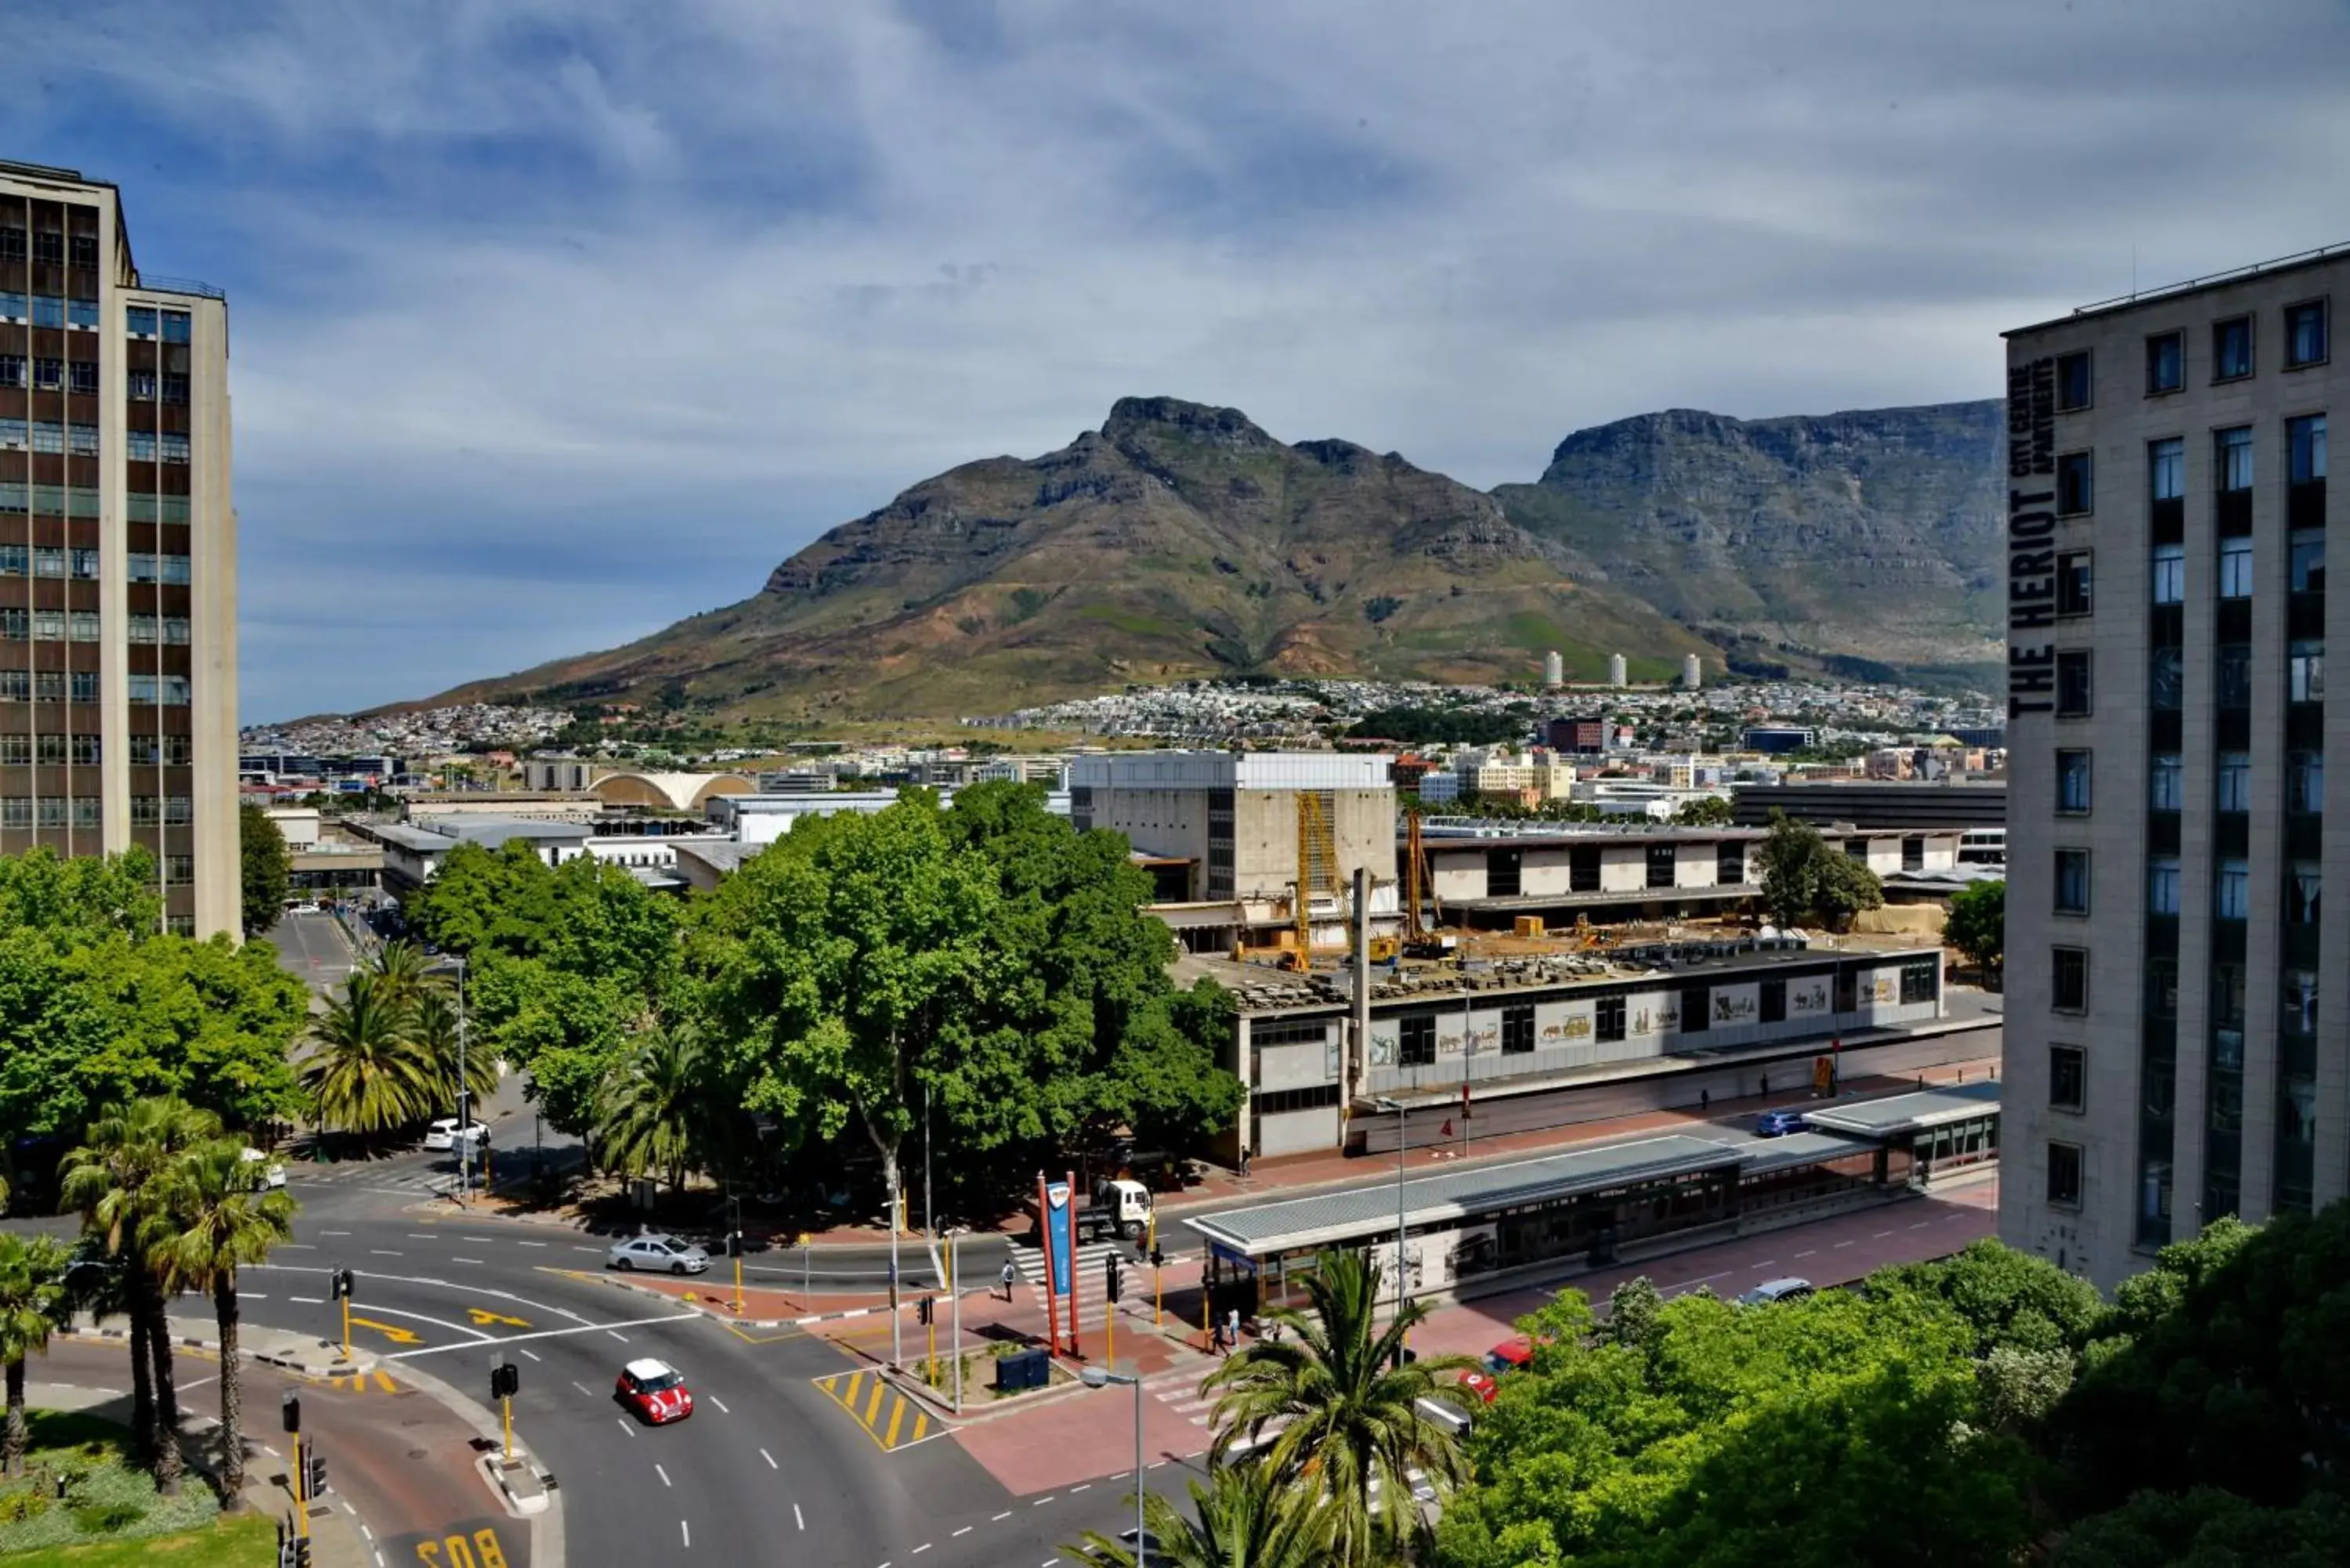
(397, 1336)
(483, 1317)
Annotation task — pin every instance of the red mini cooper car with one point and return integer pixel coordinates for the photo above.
(655, 1391)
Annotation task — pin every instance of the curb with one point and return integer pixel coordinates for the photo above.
(633, 1288)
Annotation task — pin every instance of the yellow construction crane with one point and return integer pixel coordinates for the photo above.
(1318, 870)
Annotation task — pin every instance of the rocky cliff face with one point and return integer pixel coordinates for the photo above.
(1179, 540)
(1870, 536)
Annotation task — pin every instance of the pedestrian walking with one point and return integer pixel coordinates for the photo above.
(1704, 1102)
(1009, 1273)
(1232, 1328)
(1216, 1337)
(1244, 1162)
(1767, 1086)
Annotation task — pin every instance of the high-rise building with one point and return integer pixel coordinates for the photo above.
(1692, 672)
(1554, 669)
(2167, 1059)
(118, 550)
(1616, 670)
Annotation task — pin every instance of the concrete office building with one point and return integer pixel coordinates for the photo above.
(2167, 1060)
(118, 551)
(1234, 816)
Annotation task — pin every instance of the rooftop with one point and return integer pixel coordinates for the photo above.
(1908, 1112)
(2192, 285)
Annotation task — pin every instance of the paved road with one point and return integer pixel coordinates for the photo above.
(313, 947)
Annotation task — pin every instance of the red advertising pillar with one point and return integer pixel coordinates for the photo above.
(1044, 1239)
(1071, 1219)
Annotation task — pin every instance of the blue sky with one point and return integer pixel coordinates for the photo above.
(554, 320)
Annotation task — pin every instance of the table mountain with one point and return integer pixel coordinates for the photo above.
(1179, 540)
(1853, 541)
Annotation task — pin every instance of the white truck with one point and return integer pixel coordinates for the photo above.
(1119, 1207)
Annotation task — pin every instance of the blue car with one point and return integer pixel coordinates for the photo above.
(1775, 1123)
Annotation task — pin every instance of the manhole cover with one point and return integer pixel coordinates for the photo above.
(420, 1453)
(413, 1421)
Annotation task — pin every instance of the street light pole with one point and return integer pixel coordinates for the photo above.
(1102, 1376)
(465, 1120)
(1397, 1106)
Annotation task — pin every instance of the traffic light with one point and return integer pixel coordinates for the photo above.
(1110, 1276)
(341, 1283)
(313, 1470)
(925, 1309)
(505, 1380)
(733, 1244)
(291, 1406)
(301, 1552)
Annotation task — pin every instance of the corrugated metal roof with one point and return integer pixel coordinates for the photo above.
(1767, 1153)
(1907, 1112)
(1357, 1211)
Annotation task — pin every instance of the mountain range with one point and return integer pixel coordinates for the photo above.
(1181, 540)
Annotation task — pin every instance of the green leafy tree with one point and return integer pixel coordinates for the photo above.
(1804, 877)
(1246, 1516)
(2010, 1298)
(1635, 1313)
(1705, 811)
(1349, 1409)
(120, 1180)
(433, 1027)
(1977, 926)
(2209, 1528)
(265, 868)
(366, 1072)
(34, 1303)
(1845, 887)
(222, 1219)
(401, 970)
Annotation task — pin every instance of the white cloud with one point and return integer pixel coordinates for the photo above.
(525, 287)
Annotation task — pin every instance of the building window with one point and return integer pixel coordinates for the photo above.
(2162, 988)
(2305, 781)
(2231, 669)
(2073, 683)
(2067, 1077)
(1920, 981)
(2231, 349)
(2233, 890)
(2235, 781)
(1517, 1031)
(2162, 884)
(2308, 561)
(1772, 1001)
(1662, 859)
(2068, 980)
(2167, 469)
(2072, 782)
(2300, 996)
(1504, 874)
(1607, 1018)
(2166, 363)
(1418, 1044)
(2073, 383)
(2064, 1175)
(140, 386)
(2235, 454)
(172, 446)
(49, 310)
(175, 387)
(15, 750)
(2305, 671)
(2165, 788)
(48, 436)
(2072, 583)
(84, 685)
(139, 320)
(83, 750)
(2072, 881)
(81, 625)
(82, 377)
(48, 375)
(2301, 894)
(2305, 446)
(2304, 334)
(1697, 1009)
(138, 445)
(175, 327)
(12, 372)
(2074, 491)
(1730, 864)
(82, 439)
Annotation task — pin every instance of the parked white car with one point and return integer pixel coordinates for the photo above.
(657, 1255)
(272, 1175)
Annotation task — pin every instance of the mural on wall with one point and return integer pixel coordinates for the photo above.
(1882, 991)
(1734, 1006)
(1568, 1030)
(1438, 1260)
(1447, 1043)
(1383, 1046)
(1649, 1016)
(1807, 996)
(1484, 1039)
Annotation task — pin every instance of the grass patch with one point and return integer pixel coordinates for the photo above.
(80, 1489)
(250, 1542)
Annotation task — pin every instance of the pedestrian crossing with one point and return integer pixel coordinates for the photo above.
(1030, 1263)
(359, 1177)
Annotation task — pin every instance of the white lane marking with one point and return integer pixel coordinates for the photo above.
(587, 1249)
(485, 1240)
(1921, 1225)
(1040, 1501)
(199, 1383)
(772, 1464)
(687, 1535)
(532, 1354)
(964, 1530)
(1086, 1487)
(476, 1262)
(662, 1473)
(714, 1400)
(307, 1300)
(795, 1508)
(583, 1388)
(544, 1333)
(251, 1297)
(334, 1232)
(1843, 1244)
(1800, 1256)
(530, 1243)
(380, 1252)
(624, 1425)
(1000, 1517)
(917, 1551)
(616, 1333)
(1880, 1235)
(296, 1247)
(423, 1236)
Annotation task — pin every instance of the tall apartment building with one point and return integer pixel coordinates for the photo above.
(118, 551)
(2167, 1059)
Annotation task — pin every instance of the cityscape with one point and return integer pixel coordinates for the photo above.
(1104, 789)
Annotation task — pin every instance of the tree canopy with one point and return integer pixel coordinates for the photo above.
(265, 868)
(1804, 877)
(1978, 924)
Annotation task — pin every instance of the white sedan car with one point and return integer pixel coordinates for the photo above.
(657, 1254)
(272, 1175)
(442, 1134)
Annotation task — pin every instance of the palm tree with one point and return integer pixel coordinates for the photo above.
(1247, 1516)
(401, 970)
(366, 1072)
(1347, 1405)
(223, 1219)
(652, 1107)
(33, 1302)
(119, 1180)
(433, 1027)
